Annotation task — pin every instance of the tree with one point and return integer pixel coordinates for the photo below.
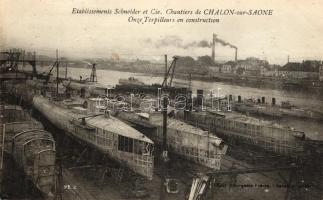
(186, 61)
(205, 61)
(240, 71)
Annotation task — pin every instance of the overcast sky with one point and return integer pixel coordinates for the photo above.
(295, 29)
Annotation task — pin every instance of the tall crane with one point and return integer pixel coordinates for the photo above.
(93, 77)
(55, 65)
(170, 74)
(164, 157)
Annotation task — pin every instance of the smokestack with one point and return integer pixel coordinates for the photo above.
(239, 99)
(273, 101)
(263, 100)
(236, 54)
(199, 97)
(213, 47)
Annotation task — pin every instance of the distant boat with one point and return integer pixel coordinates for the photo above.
(133, 85)
(181, 84)
(130, 81)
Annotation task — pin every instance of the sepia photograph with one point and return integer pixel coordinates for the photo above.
(161, 100)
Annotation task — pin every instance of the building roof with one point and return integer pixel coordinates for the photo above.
(109, 123)
(178, 125)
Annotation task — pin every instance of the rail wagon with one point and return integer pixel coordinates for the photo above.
(31, 147)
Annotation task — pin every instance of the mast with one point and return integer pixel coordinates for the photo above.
(23, 59)
(33, 62)
(165, 153)
(165, 111)
(190, 82)
(66, 69)
(57, 72)
(165, 76)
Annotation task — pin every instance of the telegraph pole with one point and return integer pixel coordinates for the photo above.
(165, 112)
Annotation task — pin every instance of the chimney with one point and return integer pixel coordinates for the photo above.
(213, 47)
(273, 101)
(239, 99)
(236, 54)
(199, 97)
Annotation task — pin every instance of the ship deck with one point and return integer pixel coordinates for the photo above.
(99, 120)
(235, 116)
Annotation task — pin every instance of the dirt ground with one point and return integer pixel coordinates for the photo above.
(242, 187)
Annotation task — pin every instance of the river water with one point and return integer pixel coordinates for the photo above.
(110, 78)
(313, 129)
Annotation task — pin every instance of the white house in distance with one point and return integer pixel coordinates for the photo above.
(309, 69)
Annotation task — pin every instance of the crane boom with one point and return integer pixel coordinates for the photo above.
(171, 67)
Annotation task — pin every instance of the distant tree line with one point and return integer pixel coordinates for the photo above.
(305, 66)
(187, 64)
